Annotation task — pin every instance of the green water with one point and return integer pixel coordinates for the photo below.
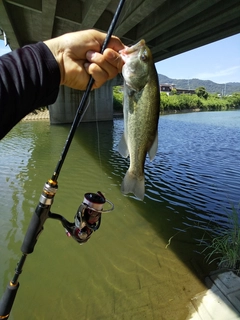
(125, 270)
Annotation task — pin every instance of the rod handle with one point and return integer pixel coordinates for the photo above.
(35, 228)
(7, 300)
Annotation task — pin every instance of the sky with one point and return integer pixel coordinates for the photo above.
(218, 61)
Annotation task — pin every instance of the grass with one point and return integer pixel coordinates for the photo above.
(225, 247)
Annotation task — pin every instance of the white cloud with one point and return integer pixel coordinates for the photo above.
(219, 73)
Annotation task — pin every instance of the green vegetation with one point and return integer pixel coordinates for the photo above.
(223, 244)
(225, 247)
(202, 100)
(117, 99)
(201, 92)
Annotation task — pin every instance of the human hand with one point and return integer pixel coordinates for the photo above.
(78, 57)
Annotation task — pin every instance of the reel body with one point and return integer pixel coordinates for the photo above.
(87, 218)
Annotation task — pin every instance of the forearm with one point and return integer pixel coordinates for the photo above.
(29, 78)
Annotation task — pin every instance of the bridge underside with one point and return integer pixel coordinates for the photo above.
(169, 27)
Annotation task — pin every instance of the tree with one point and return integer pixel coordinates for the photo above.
(118, 98)
(201, 92)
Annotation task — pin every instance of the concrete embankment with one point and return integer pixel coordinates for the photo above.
(44, 115)
(39, 115)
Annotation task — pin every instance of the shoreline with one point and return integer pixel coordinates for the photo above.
(40, 115)
(44, 115)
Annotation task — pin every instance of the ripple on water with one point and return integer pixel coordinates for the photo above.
(197, 164)
(125, 267)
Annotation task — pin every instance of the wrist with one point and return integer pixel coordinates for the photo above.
(58, 56)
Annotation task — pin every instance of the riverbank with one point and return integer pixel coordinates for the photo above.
(44, 115)
(220, 301)
(38, 115)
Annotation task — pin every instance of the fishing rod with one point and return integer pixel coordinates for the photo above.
(88, 216)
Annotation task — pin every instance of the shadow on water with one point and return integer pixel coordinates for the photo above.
(124, 271)
(168, 221)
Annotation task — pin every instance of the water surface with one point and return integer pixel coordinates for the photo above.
(124, 271)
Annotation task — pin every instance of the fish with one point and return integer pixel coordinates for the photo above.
(141, 108)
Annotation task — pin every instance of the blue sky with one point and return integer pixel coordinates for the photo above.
(218, 61)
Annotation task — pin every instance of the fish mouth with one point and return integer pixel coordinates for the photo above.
(128, 50)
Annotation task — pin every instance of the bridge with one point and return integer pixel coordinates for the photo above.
(170, 27)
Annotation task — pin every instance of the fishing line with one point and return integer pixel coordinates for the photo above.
(83, 113)
(81, 108)
(98, 139)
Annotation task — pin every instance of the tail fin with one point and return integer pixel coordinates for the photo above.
(133, 184)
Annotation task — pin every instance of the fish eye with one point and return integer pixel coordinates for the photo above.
(144, 56)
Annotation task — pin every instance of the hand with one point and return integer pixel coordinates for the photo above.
(78, 57)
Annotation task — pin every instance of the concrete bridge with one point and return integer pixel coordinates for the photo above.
(169, 27)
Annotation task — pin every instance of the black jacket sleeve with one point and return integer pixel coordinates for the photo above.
(29, 79)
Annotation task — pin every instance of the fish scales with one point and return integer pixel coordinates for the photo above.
(141, 114)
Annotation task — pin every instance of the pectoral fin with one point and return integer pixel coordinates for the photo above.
(123, 148)
(153, 150)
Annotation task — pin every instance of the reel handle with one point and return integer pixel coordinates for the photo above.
(39, 217)
(35, 228)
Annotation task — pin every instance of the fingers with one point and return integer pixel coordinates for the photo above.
(77, 56)
(114, 59)
(103, 67)
(116, 44)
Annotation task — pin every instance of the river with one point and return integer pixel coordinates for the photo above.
(126, 270)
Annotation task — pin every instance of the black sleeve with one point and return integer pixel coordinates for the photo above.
(29, 79)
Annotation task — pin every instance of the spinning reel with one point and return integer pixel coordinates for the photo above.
(87, 218)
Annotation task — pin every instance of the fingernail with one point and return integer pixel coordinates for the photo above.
(111, 55)
(90, 55)
(86, 65)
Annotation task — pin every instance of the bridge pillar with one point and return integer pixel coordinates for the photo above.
(100, 105)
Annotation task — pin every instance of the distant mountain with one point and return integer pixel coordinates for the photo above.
(210, 86)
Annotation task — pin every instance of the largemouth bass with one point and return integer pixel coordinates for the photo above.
(141, 113)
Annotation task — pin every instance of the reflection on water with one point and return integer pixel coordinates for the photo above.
(124, 271)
